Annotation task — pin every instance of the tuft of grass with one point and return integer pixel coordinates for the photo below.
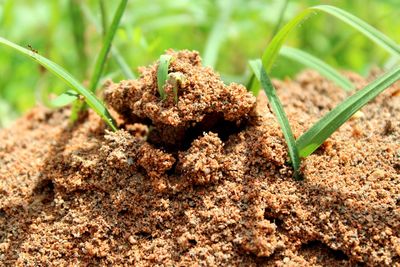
(274, 47)
(65, 76)
(162, 74)
(326, 126)
(370, 32)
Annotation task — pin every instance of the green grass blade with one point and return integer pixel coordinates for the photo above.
(114, 51)
(272, 50)
(217, 34)
(57, 70)
(366, 29)
(370, 32)
(104, 19)
(274, 47)
(78, 29)
(320, 131)
(255, 66)
(64, 99)
(277, 107)
(280, 18)
(102, 58)
(317, 64)
(162, 74)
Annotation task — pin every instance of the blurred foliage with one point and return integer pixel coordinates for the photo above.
(150, 27)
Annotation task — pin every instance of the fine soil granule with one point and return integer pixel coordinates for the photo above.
(202, 181)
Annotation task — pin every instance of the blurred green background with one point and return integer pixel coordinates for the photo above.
(242, 29)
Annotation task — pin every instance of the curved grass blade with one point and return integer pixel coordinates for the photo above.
(162, 74)
(64, 99)
(317, 64)
(320, 131)
(272, 50)
(378, 37)
(280, 19)
(57, 70)
(277, 107)
(101, 59)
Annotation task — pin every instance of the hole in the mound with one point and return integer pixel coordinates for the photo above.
(193, 242)
(172, 139)
(45, 188)
(316, 245)
(268, 215)
(173, 168)
(144, 235)
(396, 166)
(213, 122)
(122, 212)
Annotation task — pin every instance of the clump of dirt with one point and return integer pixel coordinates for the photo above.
(202, 181)
(204, 101)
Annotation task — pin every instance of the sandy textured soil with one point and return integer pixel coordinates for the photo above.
(202, 181)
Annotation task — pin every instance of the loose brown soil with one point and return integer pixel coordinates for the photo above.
(203, 181)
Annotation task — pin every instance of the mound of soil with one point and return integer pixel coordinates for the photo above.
(203, 180)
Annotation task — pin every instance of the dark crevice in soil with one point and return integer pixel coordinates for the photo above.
(213, 122)
(268, 215)
(193, 242)
(46, 189)
(329, 252)
(144, 235)
(123, 212)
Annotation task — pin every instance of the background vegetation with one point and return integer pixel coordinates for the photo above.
(239, 28)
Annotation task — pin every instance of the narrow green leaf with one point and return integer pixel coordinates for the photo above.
(273, 48)
(114, 50)
(277, 107)
(102, 58)
(217, 33)
(326, 126)
(64, 99)
(366, 29)
(370, 32)
(78, 29)
(57, 70)
(162, 74)
(255, 66)
(278, 24)
(317, 64)
(104, 19)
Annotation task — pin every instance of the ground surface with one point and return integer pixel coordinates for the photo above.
(206, 183)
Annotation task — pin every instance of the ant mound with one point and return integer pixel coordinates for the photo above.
(199, 101)
(185, 132)
(201, 178)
